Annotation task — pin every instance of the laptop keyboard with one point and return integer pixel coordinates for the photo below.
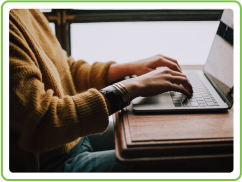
(201, 95)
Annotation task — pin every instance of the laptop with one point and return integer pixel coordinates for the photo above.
(212, 86)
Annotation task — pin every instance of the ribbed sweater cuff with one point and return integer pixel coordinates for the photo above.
(92, 112)
(98, 75)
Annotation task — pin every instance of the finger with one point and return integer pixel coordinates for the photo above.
(180, 89)
(176, 73)
(184, 81)
(170, 64)
(173, 60)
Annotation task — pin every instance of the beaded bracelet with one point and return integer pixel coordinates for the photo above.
(117, 95)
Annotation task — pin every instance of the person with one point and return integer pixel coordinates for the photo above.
(56, 102)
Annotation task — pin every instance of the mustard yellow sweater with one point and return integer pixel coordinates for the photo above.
(50, 104)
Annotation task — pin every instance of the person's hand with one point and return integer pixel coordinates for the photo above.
(146, 65)
(157, 82)
(119, 71)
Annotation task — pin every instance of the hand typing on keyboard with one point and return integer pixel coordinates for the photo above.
(157, 82)
(201, 96)
(151, 81)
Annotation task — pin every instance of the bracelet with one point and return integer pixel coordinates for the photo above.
(117, 95)
(122, 89)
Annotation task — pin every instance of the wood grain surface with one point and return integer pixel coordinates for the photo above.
(180, 126)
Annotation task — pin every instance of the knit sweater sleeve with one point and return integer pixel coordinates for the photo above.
(87, 76)
(42, 120)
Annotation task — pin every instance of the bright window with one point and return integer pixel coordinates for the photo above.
(187, 41)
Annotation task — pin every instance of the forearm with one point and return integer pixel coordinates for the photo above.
(87, 76)
(117, 72)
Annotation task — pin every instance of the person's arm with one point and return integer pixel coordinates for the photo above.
(157, 82)
(154, 83)
(117, 72)
(158, 74)
(42, 117)
(87, 76)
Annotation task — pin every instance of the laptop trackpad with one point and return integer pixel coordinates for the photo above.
(156, 102)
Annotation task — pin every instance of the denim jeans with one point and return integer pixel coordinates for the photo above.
(96, 154)
(81, 158)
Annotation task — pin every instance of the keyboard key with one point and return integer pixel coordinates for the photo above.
(192, 100)
(203, 105)
(203, 93)
(206, 97)
(208, 100)
(201, 101)
(194, 104)
(210, 104)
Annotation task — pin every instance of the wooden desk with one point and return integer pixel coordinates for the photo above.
(195, 138)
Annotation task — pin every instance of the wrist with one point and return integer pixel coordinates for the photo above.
(133, 87)
(116, 96)
(117, 72)
(130, 68)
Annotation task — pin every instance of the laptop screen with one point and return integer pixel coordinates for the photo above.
(219, 65)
